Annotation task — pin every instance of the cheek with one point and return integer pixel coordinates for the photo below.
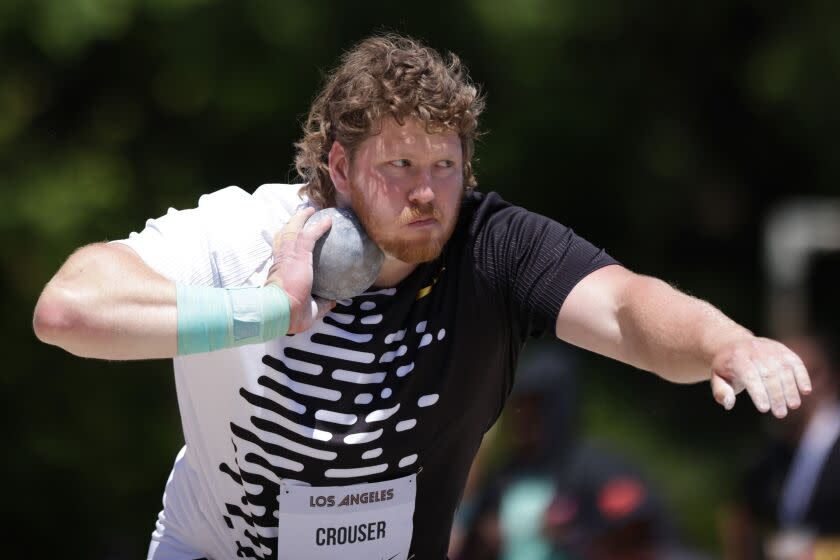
(452, 190)
(384, 189)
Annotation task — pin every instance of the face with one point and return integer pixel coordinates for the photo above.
(406, 187)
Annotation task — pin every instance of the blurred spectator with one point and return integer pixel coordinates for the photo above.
(605, 509)
(789, 497)
(504, 519)
(556, 497)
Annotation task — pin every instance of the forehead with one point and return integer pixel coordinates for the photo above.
(411, 138)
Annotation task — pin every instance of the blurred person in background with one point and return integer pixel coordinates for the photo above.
(503, 518)
(558, 495)
(605, 508)
(788, 499)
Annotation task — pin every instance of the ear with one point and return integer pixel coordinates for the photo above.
(339, 163)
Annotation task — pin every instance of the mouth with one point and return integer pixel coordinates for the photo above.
(420, 222)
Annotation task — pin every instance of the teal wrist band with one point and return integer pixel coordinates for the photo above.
(215, 318)
(275, 312)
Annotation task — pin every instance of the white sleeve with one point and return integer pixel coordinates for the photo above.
(222, 242)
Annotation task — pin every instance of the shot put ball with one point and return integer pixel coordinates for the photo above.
(345, 260)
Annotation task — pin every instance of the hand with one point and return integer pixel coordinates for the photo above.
(772, 374)
(292, 269)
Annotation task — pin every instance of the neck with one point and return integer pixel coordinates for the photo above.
(393, 272)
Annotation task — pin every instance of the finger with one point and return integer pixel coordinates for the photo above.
(800, 373)
(788, 380)
(289, 233)
(324, 306)
(770, 377)
(744, 370)
(312, 233)
(723, 392)
(737, 385)
(299, 218)
(305, 317)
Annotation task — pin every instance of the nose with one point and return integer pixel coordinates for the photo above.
(422, 192)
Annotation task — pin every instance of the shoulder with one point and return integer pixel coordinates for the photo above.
(484, 214)
(478, 206)
(232, 216)
(278, 195)
(240, 227)
(478, 209)
(270, 204)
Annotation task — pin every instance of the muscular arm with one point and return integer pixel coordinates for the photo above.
(105, 302)
(646, 323)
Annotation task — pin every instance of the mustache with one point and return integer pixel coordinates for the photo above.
(419, 212)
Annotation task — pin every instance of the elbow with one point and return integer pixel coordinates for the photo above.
(55, 317)
(65, 309)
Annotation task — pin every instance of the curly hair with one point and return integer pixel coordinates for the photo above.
(384, 75)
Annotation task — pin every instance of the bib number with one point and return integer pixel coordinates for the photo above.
(371, 521)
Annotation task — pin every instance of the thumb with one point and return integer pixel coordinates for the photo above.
(324, 306)
(723, 392)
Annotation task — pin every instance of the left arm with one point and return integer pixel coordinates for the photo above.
(646, 323)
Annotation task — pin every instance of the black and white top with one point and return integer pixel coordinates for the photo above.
(395, 381)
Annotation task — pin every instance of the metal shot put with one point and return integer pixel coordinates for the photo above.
(390, 377)
(345, 261)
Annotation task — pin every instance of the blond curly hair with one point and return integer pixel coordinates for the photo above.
(383, 75)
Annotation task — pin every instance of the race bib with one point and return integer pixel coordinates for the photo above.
(371, 521)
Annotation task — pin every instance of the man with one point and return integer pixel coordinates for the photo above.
(353, 437)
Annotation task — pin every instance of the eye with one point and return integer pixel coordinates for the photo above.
(445, 163)
(400, 163)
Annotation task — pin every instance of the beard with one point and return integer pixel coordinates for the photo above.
(422, 248)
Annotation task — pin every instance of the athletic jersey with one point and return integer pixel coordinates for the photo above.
(397, 381)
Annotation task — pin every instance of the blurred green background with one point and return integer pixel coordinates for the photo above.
(664, 131)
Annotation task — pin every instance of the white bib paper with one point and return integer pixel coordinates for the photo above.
(371, 521)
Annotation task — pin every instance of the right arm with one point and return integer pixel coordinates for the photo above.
(106, 302)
